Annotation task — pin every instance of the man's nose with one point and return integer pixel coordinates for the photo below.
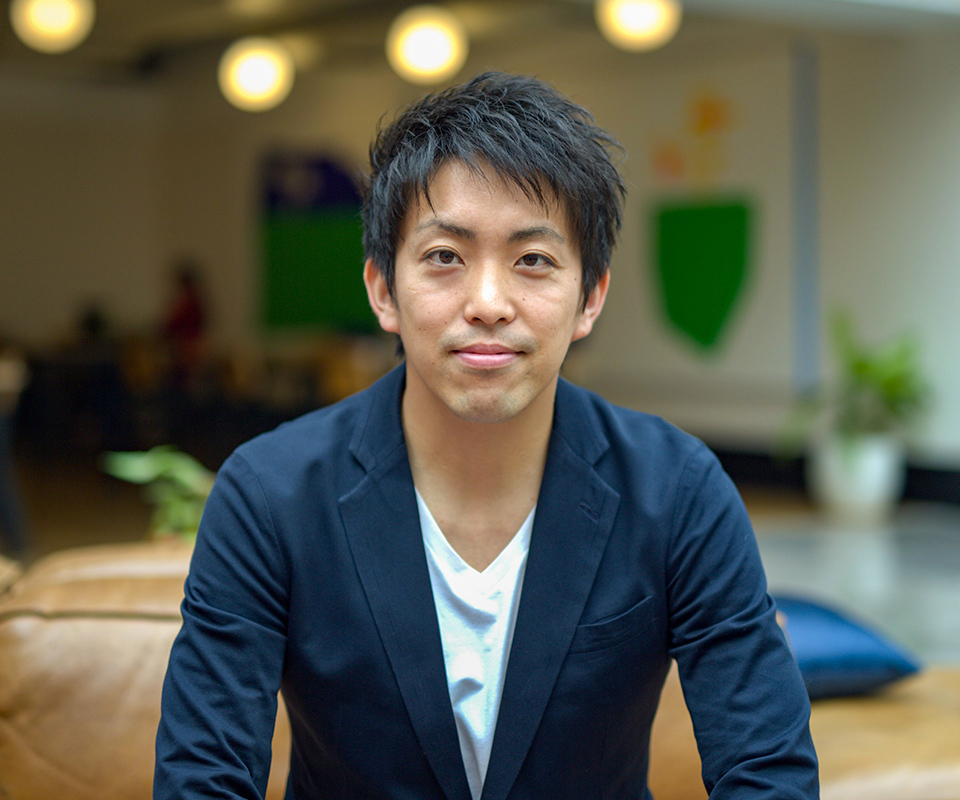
(489, 300)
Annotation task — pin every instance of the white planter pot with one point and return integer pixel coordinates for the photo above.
(857, 479)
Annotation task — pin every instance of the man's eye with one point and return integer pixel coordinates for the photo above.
(443, 257)
(535, 260)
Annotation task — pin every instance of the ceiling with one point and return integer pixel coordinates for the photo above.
(137, 37)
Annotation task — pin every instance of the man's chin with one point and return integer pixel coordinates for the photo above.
(486, 410)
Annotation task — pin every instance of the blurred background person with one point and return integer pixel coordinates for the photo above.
(185, 324)
(13, 378)
(184, 335)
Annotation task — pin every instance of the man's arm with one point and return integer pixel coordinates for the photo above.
(740, 681)
(220, 693)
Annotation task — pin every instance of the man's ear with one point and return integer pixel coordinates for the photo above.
(592, 307)
(378, 293)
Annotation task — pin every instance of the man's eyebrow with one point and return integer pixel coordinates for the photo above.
(521, 235)
(447, 227)
(536, 232)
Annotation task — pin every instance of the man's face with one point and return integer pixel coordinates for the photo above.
(487, 295)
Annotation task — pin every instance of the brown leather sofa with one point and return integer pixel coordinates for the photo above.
(84, 638)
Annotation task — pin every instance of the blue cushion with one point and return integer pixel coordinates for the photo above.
(838, 656)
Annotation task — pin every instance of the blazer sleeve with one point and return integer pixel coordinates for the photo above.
(749, 707)
(219, 702)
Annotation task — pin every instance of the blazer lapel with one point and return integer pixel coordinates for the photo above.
(575, 513)
(381, 520)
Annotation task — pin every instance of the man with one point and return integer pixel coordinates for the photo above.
(469, 580)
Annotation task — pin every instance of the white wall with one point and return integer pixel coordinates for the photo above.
(79, 205)
(891, 206)
(104, 186)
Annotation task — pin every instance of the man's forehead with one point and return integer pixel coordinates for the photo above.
(421, 209)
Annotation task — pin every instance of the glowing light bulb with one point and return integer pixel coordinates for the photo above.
(52, 26)
(638, 24)
(256, 73)
(426, 44)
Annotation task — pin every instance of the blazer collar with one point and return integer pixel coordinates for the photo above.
(576, 421)
(575, 513)
(381, 431)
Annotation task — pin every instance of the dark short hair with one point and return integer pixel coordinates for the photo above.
(527, 131)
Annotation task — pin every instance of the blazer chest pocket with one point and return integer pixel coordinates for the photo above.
(607, 633)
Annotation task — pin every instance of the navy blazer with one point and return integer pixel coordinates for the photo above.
(309, 574)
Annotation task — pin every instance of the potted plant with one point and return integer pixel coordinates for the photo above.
(177, 487)
(856, 456)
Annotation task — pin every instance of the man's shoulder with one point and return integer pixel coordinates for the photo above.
(630, 432)
(327, 426)
(325, 435)
(653, 465)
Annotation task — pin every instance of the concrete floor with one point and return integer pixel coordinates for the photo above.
(902, 577)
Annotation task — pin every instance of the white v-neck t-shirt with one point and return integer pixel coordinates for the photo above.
(477, 612)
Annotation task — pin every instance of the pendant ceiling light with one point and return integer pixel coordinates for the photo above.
(426, 44)
(52, 26)
(256, 73)
(638, 24)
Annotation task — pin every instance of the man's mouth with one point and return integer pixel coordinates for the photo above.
(486, 356)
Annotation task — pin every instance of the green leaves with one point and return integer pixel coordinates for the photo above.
(177, 486)
(880, 389)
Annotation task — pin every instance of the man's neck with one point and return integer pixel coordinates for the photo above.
(479, 480)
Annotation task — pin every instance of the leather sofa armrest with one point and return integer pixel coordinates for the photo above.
(902, 743)
(85, 636)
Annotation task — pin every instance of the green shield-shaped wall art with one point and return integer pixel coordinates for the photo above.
(702, 253)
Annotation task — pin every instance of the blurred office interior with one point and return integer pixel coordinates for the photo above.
(832, 125)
